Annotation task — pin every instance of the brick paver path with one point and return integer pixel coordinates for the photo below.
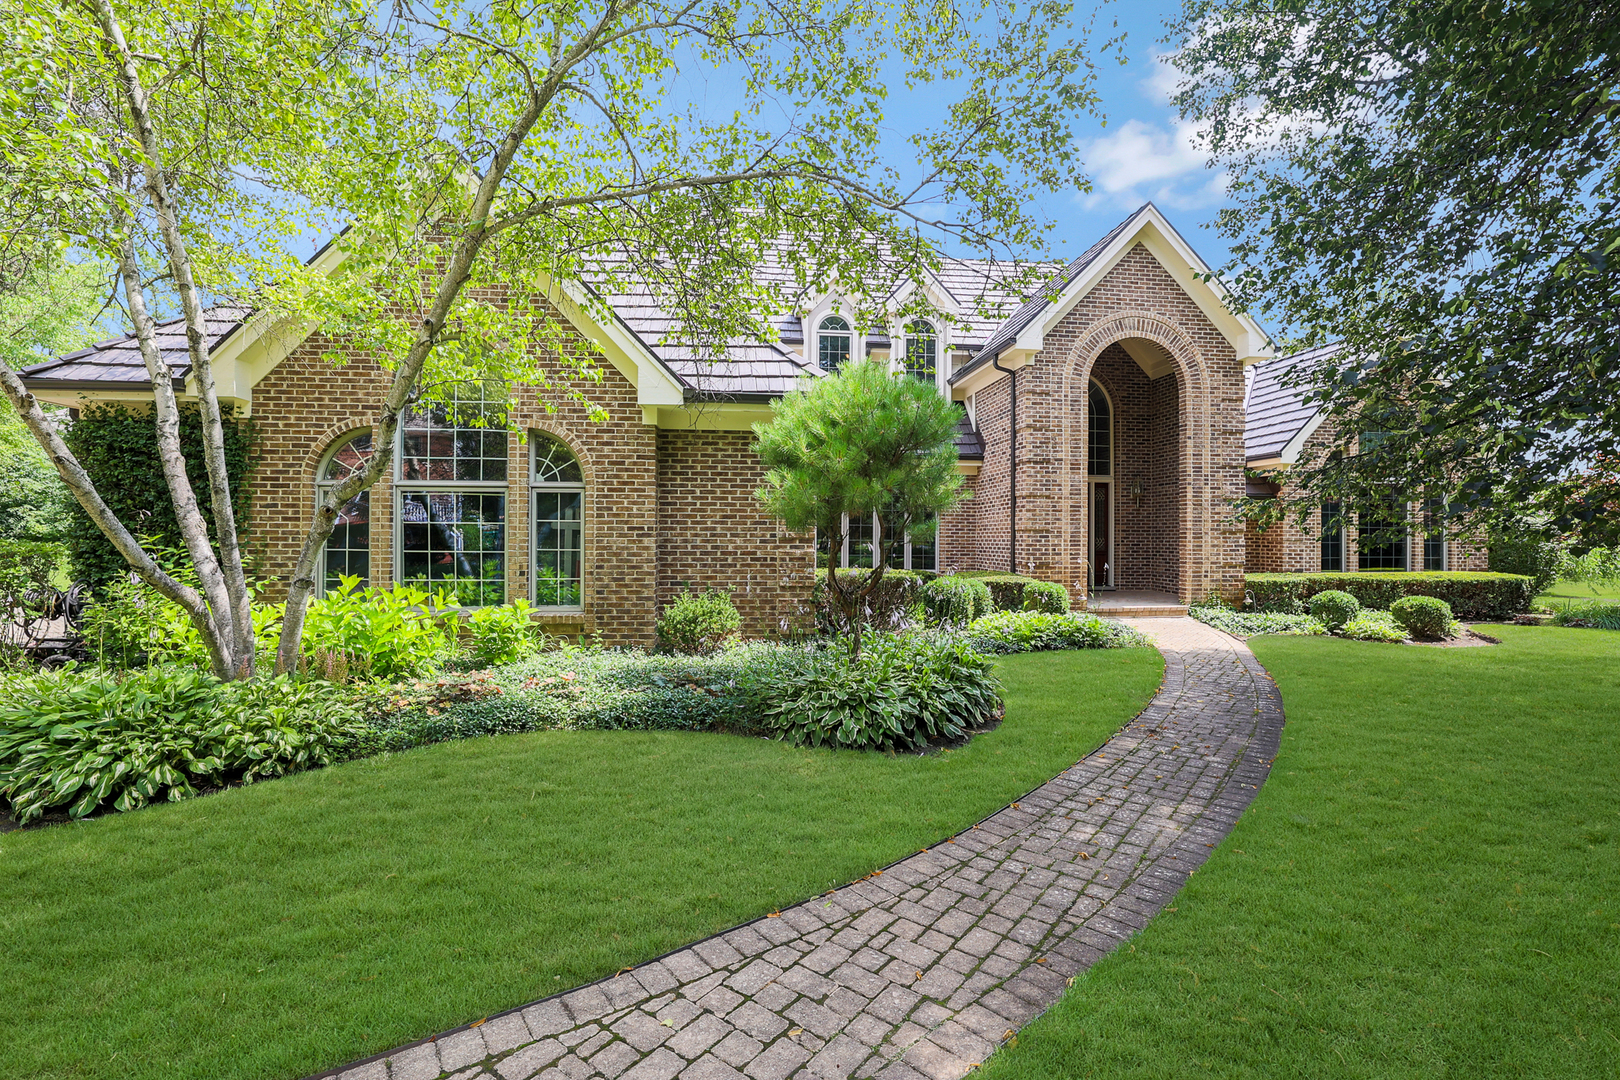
(923, 969)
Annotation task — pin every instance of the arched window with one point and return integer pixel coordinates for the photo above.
(348, 549)
(558, 488)
(834, 341)
(1100, 425)
(451, 492)
(922, 350)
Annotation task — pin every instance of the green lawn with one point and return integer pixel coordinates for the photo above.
(275, 930)
(1564, 592)
(1427, 886)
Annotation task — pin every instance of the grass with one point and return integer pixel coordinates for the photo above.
(1428, 885)
(275, 930)
(1562, 593)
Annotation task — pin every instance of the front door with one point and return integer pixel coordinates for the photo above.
(1102, 535)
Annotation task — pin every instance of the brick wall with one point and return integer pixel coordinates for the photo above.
(636, 547)
(712, 532)
(1287, 547)
(1182, 437)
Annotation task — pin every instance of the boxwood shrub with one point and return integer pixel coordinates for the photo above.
(1334, 608)
(1047, 596)
(890, 605)
(1425, 618)
(1471, 595)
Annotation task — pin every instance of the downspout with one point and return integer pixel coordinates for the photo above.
(1012, 521)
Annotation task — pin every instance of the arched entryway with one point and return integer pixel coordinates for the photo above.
(1132, 513)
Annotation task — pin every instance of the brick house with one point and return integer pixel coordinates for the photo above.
(1103, 438)
(1394, 536)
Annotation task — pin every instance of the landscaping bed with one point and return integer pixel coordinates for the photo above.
(1471, 595)
(1426, 885)
(273, 930)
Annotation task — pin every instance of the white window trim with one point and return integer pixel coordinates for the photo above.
(536, 488)
(323, 485)
(402, 487)
(877, 540)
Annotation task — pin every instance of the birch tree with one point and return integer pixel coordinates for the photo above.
(488, 156)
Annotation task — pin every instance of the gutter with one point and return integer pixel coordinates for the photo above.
(1012, 518)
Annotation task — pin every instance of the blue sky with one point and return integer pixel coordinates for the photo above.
(1144, 153)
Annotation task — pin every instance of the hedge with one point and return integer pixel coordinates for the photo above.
(118, 448)
(900, 589)
(1471, 595)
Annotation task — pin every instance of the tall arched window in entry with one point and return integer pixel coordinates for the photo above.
(1100, 485)
(834, 341)
(452, 496)
(558, 487)
(348, 549)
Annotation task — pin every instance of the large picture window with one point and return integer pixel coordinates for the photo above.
(862, 540)
(451, 492)
(1383, 536)
(558, 489)
(348, 549)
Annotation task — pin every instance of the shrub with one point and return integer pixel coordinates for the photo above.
(954, 601)
(902, 692)
(1425, 618)
(1592, 614)
(1252, 623)
(1047, 596)
(1006, 590)
(889, 606)
(398, 633)
(88, 739)
(698, 623)
(1471, 595)
(1334, 608)
(1036, 631)
(1373, 625)
(1537, 558)
(501, 634)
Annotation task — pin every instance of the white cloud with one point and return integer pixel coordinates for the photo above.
(1144, 160)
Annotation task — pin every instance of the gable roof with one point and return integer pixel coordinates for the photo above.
(1007, 333)
(117, 362)
(1277, 418)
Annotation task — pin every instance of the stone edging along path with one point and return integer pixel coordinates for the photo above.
(924, 968)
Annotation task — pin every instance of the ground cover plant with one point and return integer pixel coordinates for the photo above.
(1593, 614)
(1248, 623)
(1425, 886)
(274, 930)
(1034, 631)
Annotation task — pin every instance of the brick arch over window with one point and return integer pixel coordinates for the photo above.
(1193, 455)
(329, 439)
(571, 442)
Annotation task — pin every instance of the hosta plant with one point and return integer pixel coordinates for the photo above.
(85, 740)
(902, 692)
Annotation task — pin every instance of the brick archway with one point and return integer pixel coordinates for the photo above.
(1192, 455)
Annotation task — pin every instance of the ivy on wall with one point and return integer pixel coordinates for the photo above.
(118, 448)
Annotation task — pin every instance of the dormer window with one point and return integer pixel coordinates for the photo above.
(833, 343)
(922, 350)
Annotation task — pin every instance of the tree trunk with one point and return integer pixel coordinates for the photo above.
(224, 581)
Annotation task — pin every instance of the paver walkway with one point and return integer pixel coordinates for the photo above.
(923, 969)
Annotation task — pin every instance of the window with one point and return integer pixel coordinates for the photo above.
(348, 549)
(1383, 536)
(833, 342)
(922, 350)
(1332, 537)
(1434, 535)
(861, 542)
(558, 487)
(1100, 434)
(452, 496)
